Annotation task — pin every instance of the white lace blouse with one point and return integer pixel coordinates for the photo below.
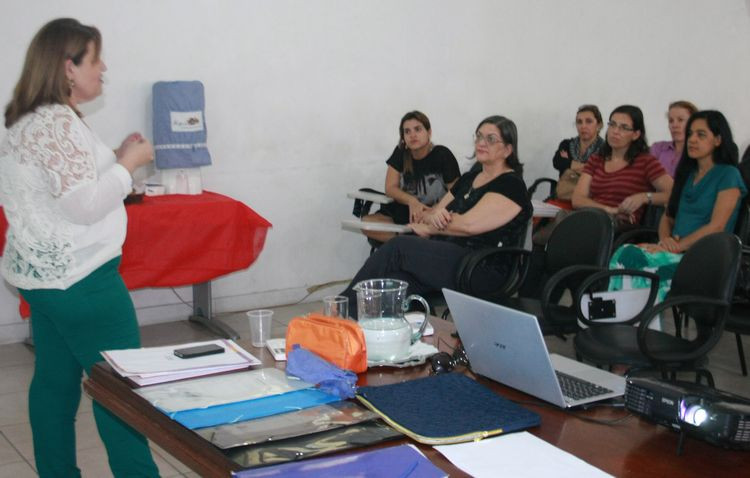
(63, 193)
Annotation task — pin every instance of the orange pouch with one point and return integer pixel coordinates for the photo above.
(339, 341)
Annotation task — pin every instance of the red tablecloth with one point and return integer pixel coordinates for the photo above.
(177, 240)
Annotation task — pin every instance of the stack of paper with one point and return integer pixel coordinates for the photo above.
(543, 209)
(151, 365)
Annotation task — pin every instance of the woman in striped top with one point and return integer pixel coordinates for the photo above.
(624, 177)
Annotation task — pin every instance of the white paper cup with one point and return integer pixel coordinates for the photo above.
(260, 326)
(336, 306)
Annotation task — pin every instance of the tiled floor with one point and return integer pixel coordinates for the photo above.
(16, 366)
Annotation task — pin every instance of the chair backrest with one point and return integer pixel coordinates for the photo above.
(742, 227)
(709, 268)
(582, 238)
(651, 216)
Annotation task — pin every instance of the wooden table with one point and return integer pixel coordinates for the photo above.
(630, 448)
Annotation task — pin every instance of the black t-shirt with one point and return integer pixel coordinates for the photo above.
(509, 185)
(429, 176)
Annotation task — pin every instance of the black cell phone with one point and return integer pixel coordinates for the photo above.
(199, 351)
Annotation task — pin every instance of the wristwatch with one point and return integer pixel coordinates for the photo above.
(650, 197)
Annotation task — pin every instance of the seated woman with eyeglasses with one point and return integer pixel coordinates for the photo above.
(706, 198)
(623, 177)
(485, 207)
(419, 174)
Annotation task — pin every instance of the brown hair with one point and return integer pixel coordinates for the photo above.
(411, 115)
(594, 110)
(43, 79)
(684, 105)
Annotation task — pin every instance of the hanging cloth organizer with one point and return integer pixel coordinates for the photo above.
(180, 125)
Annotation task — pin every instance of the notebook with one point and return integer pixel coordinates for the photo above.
(446, 408)
(507, 346)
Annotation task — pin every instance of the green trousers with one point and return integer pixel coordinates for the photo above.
(70, 327)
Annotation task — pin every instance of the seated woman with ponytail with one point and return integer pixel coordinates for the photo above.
(706, 197)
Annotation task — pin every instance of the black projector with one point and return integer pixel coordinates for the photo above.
(720, 418)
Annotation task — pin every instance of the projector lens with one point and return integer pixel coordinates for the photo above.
(695, 415)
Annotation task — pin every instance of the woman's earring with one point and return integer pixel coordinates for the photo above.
(71, 83)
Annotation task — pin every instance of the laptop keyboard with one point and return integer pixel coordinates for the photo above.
(579, 389)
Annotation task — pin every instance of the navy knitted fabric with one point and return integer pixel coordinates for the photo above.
(448, 405)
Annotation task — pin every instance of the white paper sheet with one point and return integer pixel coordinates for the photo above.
(356, 225)
(160, 360)
(519, 455)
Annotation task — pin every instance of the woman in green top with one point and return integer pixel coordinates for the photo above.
(706, 198)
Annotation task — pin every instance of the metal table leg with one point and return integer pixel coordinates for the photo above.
(203, 315)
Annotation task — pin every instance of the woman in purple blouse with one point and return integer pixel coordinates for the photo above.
(669, 152)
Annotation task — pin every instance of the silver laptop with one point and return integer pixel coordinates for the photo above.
(507, 346)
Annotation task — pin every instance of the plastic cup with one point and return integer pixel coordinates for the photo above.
(260, 326)
(336, 306)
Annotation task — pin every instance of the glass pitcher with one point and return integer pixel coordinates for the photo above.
(381, 304)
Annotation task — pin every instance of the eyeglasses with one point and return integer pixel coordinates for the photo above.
(490, 139)
(443, 362)
(621, 127)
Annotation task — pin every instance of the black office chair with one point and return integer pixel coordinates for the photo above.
(701, 290)
(578, 246)
(511, 258)
(738, 321)
(646, 231)
(551, 184)
(361, 209)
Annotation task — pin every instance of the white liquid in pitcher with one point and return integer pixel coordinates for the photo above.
(387, 339)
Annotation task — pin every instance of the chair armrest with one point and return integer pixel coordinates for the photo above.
(671, 302)
(636, 236)
(556, 281)
(516, 274)
(606, 274)
(552, 186)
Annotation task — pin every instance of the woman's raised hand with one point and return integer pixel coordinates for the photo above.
(134, 152)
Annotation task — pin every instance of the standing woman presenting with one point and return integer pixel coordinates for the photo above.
(63, 191)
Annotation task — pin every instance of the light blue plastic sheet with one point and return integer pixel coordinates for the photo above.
(249, 409)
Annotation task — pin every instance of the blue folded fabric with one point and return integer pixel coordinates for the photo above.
(249, 409)
(179, 125)
(384, 463)
(311, 368)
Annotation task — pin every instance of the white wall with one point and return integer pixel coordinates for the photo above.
(304, 97)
